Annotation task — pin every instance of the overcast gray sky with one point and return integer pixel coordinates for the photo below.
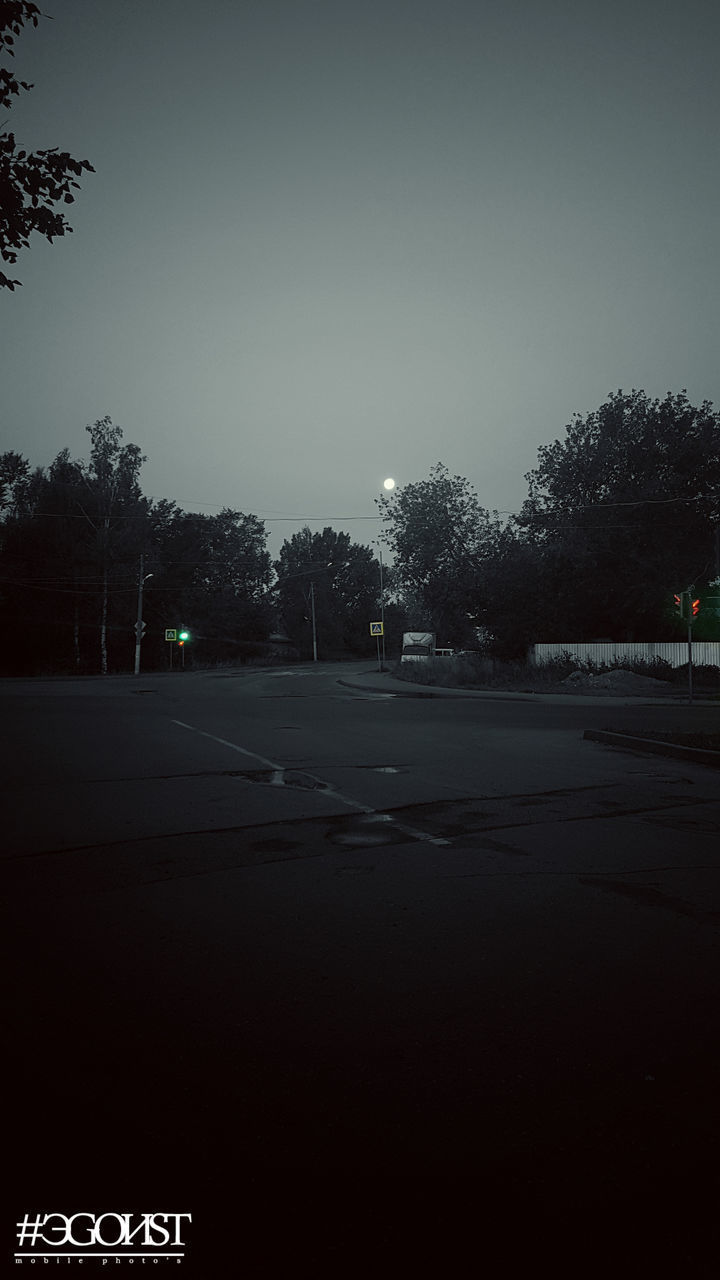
(328, 242)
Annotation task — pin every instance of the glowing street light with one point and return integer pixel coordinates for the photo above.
(389, 483)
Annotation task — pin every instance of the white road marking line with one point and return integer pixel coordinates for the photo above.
(232, 745)
(278, 772)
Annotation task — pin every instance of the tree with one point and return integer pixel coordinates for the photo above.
(14, 475)
(441, 538)
(31, 184)
(629, 502)
(47, 565)
(335, 578)
(111, 501)
(74, 540)
(211, 574)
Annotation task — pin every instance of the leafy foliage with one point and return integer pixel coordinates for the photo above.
(621, 514)
(71, 542)
(340, 579)
(31, 183)
(629, 505)
(210, 574)
(441, 538)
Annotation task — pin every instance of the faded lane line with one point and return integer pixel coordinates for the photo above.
(232, 745)
(325, 788)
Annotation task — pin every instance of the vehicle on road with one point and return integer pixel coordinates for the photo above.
(418, 646)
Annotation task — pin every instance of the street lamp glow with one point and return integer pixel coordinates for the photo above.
(389, 483)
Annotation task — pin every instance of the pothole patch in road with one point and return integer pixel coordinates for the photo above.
(367, 831)
(281, 778)
(296, 778)
(383, 768)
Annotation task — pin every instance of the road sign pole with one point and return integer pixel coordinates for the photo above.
(685, 606)
(690, 661)
(377, 629)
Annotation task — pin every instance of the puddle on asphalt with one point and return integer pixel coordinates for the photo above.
(383, 768)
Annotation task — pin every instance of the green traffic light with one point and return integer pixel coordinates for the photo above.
(183, 635)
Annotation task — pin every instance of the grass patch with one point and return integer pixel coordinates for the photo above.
(479, 671)
(475, 671)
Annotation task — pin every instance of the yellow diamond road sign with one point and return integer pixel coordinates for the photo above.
(376, 629)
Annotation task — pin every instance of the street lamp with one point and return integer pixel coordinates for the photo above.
(303, 573)
(388, 485)
(382, 603)
(140, 625)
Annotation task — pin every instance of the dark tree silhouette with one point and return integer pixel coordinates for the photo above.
(31, 183)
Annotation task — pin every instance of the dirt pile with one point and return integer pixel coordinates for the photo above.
(618, 682)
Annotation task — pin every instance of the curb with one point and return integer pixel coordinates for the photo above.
(693, 755)
(373, 688)
(400, 690)
(443, 691)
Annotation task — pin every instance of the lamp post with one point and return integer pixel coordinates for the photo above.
(140, 625)
(382, 605)
(388, 485)
(314, 629)
(309, 599)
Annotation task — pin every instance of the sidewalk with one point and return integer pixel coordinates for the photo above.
(374, 681)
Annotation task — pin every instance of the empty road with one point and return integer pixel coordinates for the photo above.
(270, 923)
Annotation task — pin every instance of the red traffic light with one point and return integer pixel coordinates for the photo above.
(678, 604)
(180, 643)
(695, 608)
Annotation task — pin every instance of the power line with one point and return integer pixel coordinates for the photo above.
(71, 515)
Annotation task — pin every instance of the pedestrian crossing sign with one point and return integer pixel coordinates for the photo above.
(377, 629)
(170, 633)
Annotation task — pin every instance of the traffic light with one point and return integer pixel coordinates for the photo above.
(183, 636)
(695, 605)
(678, 605)
(180, 643)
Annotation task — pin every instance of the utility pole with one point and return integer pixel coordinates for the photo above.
(140, 625)
(314, 631)
(382, 606)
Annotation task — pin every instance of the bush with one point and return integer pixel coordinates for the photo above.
(703, 674)
(478, 671)
(468, 671)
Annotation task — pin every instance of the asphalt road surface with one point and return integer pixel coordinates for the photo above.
(267, 931)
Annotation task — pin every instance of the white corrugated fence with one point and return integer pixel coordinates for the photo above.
(604, 653)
